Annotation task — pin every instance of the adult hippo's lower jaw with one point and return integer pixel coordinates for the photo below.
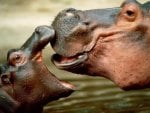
(68, 62)
(112, 42)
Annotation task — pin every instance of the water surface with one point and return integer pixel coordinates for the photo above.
(98, 95)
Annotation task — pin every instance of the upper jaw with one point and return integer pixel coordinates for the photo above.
(63, 62)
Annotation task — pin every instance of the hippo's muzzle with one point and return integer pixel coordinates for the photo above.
(74, 34)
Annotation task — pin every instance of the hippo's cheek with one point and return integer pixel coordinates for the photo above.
(127, 64)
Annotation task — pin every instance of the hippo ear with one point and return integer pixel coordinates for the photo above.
(38, 40)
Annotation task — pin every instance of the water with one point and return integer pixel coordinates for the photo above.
(97, 95)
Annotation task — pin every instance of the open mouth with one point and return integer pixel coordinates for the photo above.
(68, 62)
(67, 85)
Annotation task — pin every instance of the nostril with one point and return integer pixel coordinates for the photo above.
(69, 14)
(86, 23)
(70, 10)
(39, 29)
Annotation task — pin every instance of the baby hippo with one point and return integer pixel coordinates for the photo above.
(26, 83)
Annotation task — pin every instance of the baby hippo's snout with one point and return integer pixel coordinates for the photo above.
(45, 31)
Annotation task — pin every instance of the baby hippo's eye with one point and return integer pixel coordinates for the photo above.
(17, 59)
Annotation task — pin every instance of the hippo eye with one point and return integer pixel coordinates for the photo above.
(130, 13)
(17, 59)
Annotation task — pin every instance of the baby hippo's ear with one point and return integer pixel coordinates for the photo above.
(38, 40)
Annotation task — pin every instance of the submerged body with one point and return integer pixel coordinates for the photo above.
(113, 43)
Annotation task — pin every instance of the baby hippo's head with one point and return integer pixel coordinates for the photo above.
(25, 80)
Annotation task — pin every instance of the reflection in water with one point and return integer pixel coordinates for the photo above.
(97, 95)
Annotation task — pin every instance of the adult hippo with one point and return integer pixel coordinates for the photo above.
(26, 83)
(113, 43)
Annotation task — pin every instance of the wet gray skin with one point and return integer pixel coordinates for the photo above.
(26, 83)
(111, 43)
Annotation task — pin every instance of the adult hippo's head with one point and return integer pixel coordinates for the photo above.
(26, 84)
(113, 43)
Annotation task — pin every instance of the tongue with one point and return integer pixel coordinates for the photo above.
(67, 60)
